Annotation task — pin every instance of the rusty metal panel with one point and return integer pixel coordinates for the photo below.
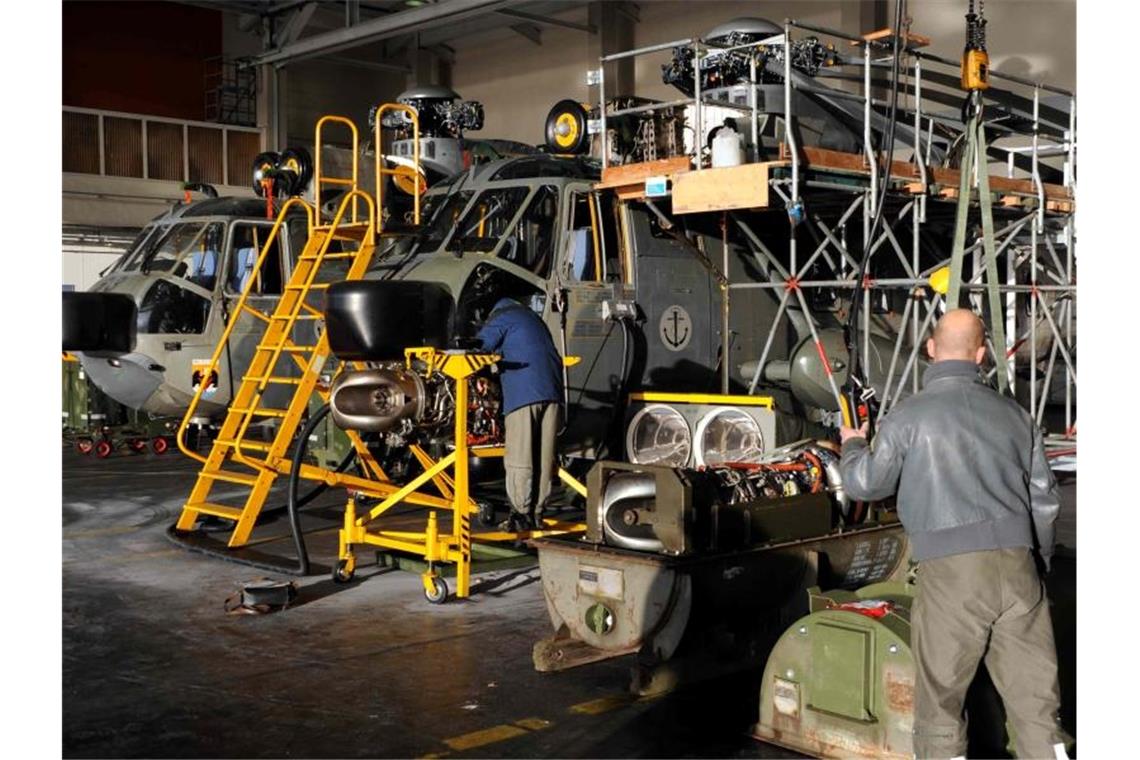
(80, 142)
(241, 149)
(205, 146)
(122, 146)
(164, 150)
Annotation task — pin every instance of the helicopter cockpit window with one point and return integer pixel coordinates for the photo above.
(191, 250)
(169, 308)
(443, 221)
(584, 258)
(488, 219)
(248, 240)
(530, 243)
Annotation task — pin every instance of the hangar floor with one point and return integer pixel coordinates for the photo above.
(153, 667)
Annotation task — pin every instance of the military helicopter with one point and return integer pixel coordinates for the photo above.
(146, 329)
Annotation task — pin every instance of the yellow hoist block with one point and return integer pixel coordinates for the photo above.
(975, 70)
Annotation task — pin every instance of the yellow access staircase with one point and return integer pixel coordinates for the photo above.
(236, 457)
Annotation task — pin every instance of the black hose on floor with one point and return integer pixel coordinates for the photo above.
(195, 542)
(293, 503)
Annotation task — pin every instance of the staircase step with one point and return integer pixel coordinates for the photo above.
(217, 510)
(243, 444)
(229, 476)
(261, 412)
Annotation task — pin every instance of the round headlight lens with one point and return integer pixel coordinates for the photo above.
(658, 434)
(727, 436)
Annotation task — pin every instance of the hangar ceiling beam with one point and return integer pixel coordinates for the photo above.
(530, 31)
(404, 22)
(547, 20)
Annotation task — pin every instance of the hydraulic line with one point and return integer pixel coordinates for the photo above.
(293, 503)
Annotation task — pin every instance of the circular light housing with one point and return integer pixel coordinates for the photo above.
(658, 434)
(726, 436)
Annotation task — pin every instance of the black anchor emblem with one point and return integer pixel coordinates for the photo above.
(674, 337)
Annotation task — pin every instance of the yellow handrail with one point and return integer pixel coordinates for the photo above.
(382, 171)
(340, 180)
(235, 315)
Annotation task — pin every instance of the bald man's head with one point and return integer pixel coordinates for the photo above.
(959, 335)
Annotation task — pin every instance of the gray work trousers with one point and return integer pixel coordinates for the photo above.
(531, 458)
(987, 605)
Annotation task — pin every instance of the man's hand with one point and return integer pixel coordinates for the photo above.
(847, 433)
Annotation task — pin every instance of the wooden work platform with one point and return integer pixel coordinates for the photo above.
(746, 186)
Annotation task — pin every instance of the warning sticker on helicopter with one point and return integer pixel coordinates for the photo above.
(600, 581)
(198, 369)
(675, 328)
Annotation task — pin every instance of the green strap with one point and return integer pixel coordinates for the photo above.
(975, 153)
(997, 308)
(957, 252)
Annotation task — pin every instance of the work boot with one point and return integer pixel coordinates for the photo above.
(516, 523)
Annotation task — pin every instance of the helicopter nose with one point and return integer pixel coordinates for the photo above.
(99, 322)
(127, 378)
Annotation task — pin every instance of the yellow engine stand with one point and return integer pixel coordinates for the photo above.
(431, 544)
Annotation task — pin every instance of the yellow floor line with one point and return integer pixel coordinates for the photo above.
(534, 724)
(484, 737)
(605, 704)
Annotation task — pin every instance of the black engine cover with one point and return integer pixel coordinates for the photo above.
(95, 322)
(375, 320)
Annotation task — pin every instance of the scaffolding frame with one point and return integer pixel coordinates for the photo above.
(1042, 236)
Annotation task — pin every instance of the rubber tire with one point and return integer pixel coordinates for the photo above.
(298, 180)
(439, 592)
(84, 445)
(137, 445)
(486, 513)
(340, 574)
(574, 110)
(103, 449)
(159, 445)
(263, 162)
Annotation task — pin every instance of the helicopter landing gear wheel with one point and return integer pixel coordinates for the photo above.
(567, 128)
(263, 167)
(297, 166)
(435, 590)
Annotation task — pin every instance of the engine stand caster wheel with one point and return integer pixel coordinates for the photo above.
(103, 449)
(159, 445)
(137, 445)
(343, 572)
(85, 445)
(438, 592)
(486, 513)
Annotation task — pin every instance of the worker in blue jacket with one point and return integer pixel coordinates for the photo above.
(531, 376)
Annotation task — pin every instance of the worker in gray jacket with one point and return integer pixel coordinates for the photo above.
(978, 502)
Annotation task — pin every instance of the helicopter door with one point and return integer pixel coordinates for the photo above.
(265, 288)
(588, 275)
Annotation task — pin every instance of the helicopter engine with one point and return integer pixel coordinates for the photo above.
(404, 405)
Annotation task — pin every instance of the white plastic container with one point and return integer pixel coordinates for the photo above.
(727, 148)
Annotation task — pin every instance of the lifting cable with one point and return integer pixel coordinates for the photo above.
(858, 386)
(975, 79)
